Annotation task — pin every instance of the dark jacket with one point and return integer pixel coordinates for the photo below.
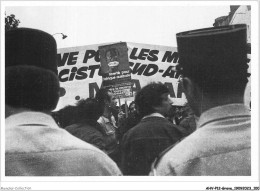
(127, 123)
(188, 124)
(89, 133)
(144, 142)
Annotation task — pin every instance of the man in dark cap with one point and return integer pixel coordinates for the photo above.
(213, 62)
(34, 144)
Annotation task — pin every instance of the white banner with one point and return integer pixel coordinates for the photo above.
(79, 71)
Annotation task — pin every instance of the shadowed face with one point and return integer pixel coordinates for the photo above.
(113, 101)
(132, 108)
(165, 105)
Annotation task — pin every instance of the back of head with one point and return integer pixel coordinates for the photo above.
(31, 88)
(149, 97)
(215, 58)
(31, 70)
(102, 96)
(89, 110)
(66, 116)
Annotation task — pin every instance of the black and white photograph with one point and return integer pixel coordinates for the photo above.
(129, 95)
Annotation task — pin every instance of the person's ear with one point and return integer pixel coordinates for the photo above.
(193, 94)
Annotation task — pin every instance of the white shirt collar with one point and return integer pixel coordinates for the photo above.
(224, 111)
(154, 115)
(30, 117)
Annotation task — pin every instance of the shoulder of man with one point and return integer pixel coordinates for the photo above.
(92, 156)
(101, 161)
(161, 155)
(127, 137)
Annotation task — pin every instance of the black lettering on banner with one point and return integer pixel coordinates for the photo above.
(150, 70)
(131, 64)
(97, 56)
(73, 73)
(99, 71)
(62, 73)
(170, 73)
(170, 88)
(179, 90)
(62, 59)
(139, 69)
(91, 54)
(72, 58)
(136, 85)
(132, 55)
(82, 73)
(93, 88)
(77, 73)
(143, 54)
(172, 93)
(92, 69)
(153, 55)
(170, 57)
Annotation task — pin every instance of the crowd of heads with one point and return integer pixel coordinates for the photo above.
(85, 110)
(152, 98)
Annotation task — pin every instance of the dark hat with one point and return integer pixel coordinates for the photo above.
(217, 53)
(31, 47)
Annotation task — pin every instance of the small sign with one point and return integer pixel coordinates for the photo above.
(115, 70)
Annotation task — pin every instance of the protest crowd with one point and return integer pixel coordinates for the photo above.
(209, 135)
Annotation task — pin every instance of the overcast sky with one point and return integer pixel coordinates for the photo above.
(143, 22)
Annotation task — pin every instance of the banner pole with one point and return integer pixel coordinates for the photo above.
(126, 109)
(119, 102)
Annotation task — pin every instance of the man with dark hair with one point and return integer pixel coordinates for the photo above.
(213, 62)
(108, 101)
(65, 116)
(34, 144)
(154, 133)
(85, 125)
